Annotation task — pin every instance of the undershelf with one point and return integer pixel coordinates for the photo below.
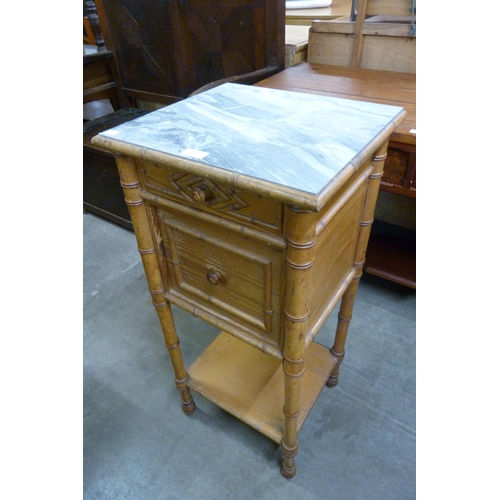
(249, 384)
(392, 256)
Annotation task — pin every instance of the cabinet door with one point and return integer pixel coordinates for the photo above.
(232, 277)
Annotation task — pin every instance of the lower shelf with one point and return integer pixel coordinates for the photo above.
(393, 258)
(250, 384)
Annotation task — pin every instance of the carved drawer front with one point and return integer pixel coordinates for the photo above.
(234, 278)
(210, 196)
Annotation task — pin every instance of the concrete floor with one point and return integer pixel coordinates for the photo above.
(357, 443)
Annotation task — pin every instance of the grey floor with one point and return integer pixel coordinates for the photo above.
(357, 443)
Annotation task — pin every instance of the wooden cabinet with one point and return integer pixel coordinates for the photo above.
(165, 51)
(243, 229)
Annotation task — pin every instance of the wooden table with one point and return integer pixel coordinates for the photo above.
(391, 257)
(244, 227)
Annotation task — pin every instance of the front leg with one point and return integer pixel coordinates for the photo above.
(131, 187)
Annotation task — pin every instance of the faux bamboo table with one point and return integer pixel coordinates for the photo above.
(252, 210)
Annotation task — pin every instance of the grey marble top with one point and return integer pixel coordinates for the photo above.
(292, 139)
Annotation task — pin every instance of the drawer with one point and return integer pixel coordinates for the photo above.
(210, 196)
(232, 277)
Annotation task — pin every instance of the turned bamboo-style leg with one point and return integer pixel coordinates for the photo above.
(344, 318)
(347, 303)
(131, 186)
(301, 237)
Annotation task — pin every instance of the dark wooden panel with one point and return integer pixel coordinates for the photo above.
(172, 48)
(102, 191)
(392, 257)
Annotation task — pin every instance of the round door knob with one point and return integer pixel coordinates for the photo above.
(201, 193)
(214, 278)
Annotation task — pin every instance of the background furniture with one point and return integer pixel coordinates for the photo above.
(305, 17)
(92, 33)
(380, 34)
(389, 255)
(296, 44)
(260, 236)
(167, 50)
(104, 106)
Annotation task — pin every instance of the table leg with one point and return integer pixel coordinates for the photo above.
(293, 371)
(347, 303)
(131, 187)
(301, 237)
(344, 318)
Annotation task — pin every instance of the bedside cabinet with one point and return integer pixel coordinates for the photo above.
(252, 210)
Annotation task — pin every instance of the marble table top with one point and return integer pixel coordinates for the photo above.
(297, 140)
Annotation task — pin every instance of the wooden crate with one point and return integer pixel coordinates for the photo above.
(385, 46)
(388, 7)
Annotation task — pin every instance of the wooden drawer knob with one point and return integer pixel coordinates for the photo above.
(213, 278)
(201, 193)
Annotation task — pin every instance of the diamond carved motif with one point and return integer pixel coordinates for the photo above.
(218, 197)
